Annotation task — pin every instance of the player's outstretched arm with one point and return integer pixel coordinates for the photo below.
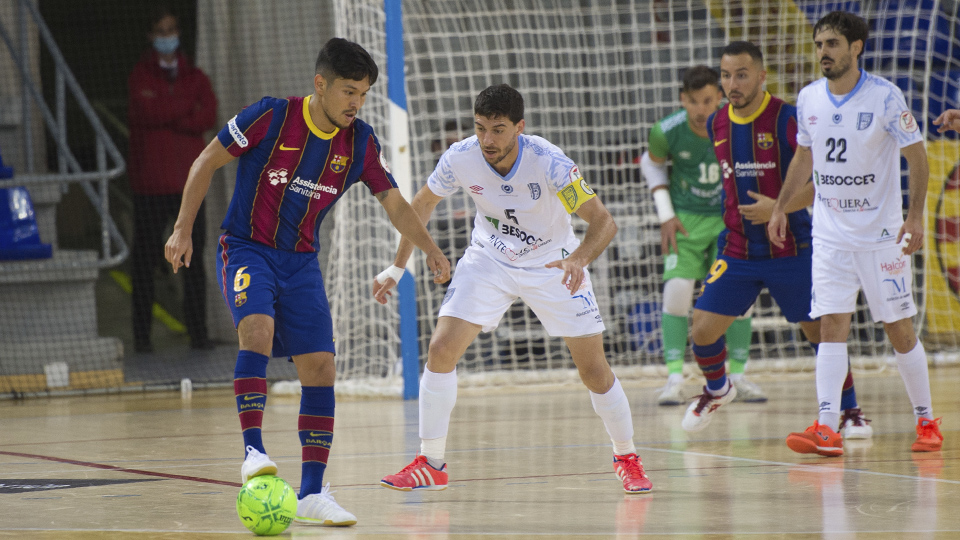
(179, 248)
(912, 228)
(600, 231)
(409, 219)
(798, 175)
(949, 119)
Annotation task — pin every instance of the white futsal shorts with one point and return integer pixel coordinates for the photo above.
(885, 275)
(483, 289)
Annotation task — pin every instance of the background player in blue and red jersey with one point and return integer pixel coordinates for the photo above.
(754, 138)
(297, 158)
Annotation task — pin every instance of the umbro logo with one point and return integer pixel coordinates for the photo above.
(477, 190)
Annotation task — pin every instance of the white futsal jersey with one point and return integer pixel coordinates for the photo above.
(523, 218)
(856, 141)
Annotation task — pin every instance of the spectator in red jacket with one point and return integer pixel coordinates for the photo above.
(171, 105)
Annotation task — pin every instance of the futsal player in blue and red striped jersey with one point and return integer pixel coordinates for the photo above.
(754, 138)
(297, 157)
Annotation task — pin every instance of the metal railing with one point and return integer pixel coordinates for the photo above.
(94, 183)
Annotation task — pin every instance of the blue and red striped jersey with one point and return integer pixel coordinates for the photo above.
(754, 154)
(290, 173)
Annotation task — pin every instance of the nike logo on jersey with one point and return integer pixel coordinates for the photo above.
(285, 147)
(718, 143)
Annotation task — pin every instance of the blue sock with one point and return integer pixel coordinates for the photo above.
(848, 397)
(250, 388)
(316, 435)
(712, 361)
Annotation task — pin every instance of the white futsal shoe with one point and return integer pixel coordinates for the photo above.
(748, 391)
(322, 509)
(700, 412)
(672, 393)
(854, 425)
(256, 464)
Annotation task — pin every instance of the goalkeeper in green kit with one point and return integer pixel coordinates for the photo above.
(688, 203)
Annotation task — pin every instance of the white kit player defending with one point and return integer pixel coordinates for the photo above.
(523, 246)
(852, 129)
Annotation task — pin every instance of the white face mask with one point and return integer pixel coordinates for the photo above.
(166, 45)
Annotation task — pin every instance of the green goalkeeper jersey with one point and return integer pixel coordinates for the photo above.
(695, 185)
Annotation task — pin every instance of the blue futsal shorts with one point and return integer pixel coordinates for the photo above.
(732, 285)
(285, 285)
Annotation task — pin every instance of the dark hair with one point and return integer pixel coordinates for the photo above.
(736, 48)
(160, 12)
(697, 77)
(344, 59)
(499, 100)
(847, 25)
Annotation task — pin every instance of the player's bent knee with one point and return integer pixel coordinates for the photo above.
(598, 378)
(442, 356)
(902, 336)
(708, 327)
(256, 333)
(316, 369)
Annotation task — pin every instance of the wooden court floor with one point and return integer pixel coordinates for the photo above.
(524, 464)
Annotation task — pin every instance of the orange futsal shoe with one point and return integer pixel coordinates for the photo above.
(929, 438)
(417, 475)
(817, 439)
(629, 470)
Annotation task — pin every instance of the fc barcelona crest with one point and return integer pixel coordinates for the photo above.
(240, 299)
(534, 190)
(338, 163)
(764, 140)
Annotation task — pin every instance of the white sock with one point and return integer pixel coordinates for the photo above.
(438, 395)
(831, 372)
(614, 410)
(913, 371)
(675, 378)
(433, 450)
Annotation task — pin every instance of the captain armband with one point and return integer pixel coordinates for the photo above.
(578, 192)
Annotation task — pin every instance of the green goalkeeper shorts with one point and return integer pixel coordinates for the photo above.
(696, 251)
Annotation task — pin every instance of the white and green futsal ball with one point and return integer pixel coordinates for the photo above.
(267, 505)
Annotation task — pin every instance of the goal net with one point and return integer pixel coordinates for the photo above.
(596, 75)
